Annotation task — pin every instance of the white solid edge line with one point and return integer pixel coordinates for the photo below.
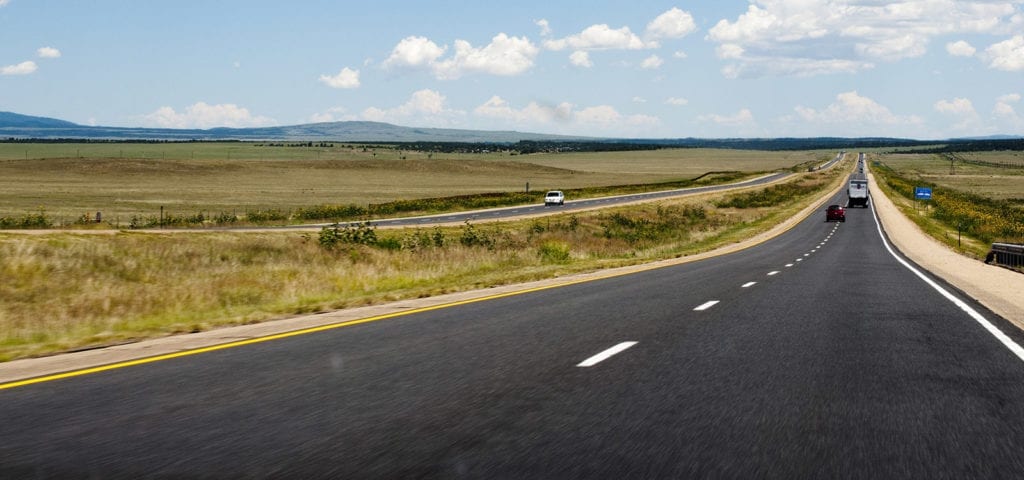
(706, 305)
(605, 355)
(1006, 341)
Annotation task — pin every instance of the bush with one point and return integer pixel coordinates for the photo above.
(554, 252)
(471, 237)
(361, 234)
(29, 220)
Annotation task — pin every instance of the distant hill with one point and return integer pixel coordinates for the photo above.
(24, 126)
(10, 119)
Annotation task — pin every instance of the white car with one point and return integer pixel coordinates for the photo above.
(554, 197)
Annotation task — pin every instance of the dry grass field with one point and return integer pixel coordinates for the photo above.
(121, 180)
(986, 180)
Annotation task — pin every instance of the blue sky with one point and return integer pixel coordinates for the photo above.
(762, 68)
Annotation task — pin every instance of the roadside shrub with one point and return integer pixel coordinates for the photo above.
(331, 212)
(224, 218)
(272, 215)
(360, 234)
(471, 237)
(554, 252)
(29, 220)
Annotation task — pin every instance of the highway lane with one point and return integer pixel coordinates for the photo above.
(835, 362)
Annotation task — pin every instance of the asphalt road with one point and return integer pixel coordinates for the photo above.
(824, 357)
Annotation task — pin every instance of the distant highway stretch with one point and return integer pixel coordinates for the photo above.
(571, 205)
(818, 354)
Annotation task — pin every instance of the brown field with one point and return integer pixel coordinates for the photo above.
(121, 180)
(988, 181)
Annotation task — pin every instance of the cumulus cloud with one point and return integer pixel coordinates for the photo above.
(857, 114)
(957, 106)
(674, 23)
(4, 2)
(679, 54)
(676, 101)
(600, 117)
(48, 52)
(414, 52)
(332, 114)
(1009, 98)
(960, 49)
(652, 62)
(833, 36)
(23, 68)
(1007, 55)
(424, 107)
(545, 28)
(581, 58)
(505, 56)
(346, 78)
(742, 118)
(600, 37)
(203, 115)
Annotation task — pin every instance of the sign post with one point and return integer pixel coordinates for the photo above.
(922, 193)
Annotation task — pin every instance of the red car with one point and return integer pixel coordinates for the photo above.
(835, 213)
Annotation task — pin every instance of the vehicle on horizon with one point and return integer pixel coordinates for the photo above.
(835, 213)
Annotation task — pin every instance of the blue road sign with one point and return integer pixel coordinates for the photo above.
(922, 193)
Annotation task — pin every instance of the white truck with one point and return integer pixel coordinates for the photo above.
(857, 192)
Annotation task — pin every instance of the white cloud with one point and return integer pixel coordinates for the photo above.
(203, 115)
(1007, 55)
(652, 62)
(960, 49)
(858, 112)
(957, 106)
(424, 107)
(23, 68)
(581, 58)
(679, 54)
(332, 114)
(676, 101)
(505, 56)
(4, 2)
(674, 23)
(600, 37)
(48, 52)
(346, 78)
(414, 52)
(1004, 110)
(639, 99)
(601, 117)
(742, 118)
(831, 36)
(545, 28)
(1009, 98)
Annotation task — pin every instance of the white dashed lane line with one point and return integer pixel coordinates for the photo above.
(749, 284)
(605, 355)
(789, 265)
(706, 305)
(773, 272)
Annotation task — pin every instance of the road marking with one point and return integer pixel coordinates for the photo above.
(807, 254)
(1005, 340)
(799, 259)
(706, 305)
(773, 272)
(789, 265)
(605, 355)
(749, 284)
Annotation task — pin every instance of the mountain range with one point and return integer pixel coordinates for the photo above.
(13, 125)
